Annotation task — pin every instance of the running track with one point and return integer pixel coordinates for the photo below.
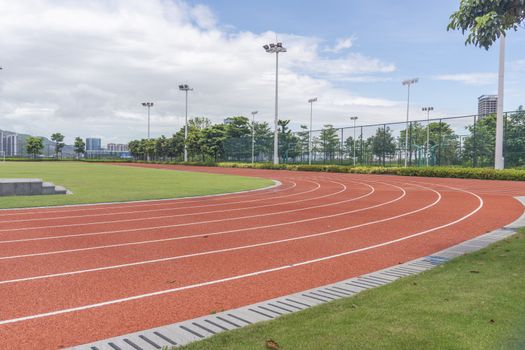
(73, 275)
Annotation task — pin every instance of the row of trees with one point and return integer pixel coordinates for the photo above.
(35, 145)
(232, 141)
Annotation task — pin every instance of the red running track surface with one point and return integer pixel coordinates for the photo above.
(73, 275)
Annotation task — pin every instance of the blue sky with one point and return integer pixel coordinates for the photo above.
(84, 67)
(408, 33)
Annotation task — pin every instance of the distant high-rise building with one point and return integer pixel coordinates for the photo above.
(487, 104)
(9, 144)
(93, 144)
(117, 147)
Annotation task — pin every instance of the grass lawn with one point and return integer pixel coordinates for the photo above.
(473, 302)
(94, 183)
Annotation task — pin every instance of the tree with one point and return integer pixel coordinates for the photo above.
(514, 150)
(80, 146)
(58, 138)
(329, 141)
(487, 20)
(212, 141)
(35, 145)
(263, 140)
(383, 143)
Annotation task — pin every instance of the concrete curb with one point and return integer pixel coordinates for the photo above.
(185, 332)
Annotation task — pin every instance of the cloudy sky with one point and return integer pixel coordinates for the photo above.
(84, 67)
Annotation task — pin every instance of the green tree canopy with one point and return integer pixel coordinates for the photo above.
(486, 20)
(34, 145)
(58, 138)
(80, 146)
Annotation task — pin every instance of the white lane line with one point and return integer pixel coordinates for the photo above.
(174, 225)
(284, 240)
(238, 277)
(220, 232)
(145, 211)
(4, 230)
(71, 208)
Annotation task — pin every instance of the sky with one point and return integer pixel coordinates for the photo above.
(83, 68)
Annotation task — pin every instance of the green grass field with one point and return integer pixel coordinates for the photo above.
(95, 183)
(473, 302)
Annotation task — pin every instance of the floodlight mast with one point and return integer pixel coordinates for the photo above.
(427, 148)
(253, 135)
(354, 118)
(311, 102)
(185, 88)
(276, 48)
(408, 82)
(148, 105)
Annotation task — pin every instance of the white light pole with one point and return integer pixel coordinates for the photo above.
(427, 149)
(253, 136)
(354, 119)
(185, 88)
(499, 162)
(148, 105)
(311, 102)
(408, 82)
(276, 48)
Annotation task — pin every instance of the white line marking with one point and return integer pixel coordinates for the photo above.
(161, 216)
(219, 232)
(169, 226)
(233, 248)
(232, 278)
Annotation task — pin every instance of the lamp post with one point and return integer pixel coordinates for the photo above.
(185, 88)
(499, 162)
(148, 105)
(427, 148)
(253, 136)
(276, 48)
(354, 118)
(311, 102)
(408, 82)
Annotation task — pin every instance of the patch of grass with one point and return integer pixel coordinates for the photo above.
(473, 302)
(95, 183)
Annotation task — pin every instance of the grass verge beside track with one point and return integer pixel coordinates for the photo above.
(476, 301)
(95, 183)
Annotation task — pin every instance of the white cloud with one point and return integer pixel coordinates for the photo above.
(470, 78)
(83, 68)
(342, 44)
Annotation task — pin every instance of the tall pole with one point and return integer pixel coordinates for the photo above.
(311, 101)
(498, 157)
(276, 48)
(408, 83)
(354, 119)
(186, 129)
(427, 147)
(149, 121)
(253, 136)
(185, 88)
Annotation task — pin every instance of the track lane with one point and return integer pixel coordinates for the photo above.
(111, 319)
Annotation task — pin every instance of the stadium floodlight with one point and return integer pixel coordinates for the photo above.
(253, 135)
(427, 148)
(185, 88)
(311, 102)
(354, 118)
(276, 48)
(408, 82)
(148, 105)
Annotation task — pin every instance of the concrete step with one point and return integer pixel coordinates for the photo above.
(20, 187)
(48, 188)
(60, 190)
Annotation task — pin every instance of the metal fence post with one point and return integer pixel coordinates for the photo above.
(474, 144)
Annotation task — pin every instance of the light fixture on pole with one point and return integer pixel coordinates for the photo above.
(253, 135)
(499, 162)
(408, 82)
(354, 118)
(185, 88)
(311, 102)
(276, 48)
(148, 105)
(427, 148)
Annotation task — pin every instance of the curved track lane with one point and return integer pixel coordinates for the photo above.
(71, 275)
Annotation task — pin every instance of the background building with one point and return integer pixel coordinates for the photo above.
(117, 147)
(487, 104)
(93, 144)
